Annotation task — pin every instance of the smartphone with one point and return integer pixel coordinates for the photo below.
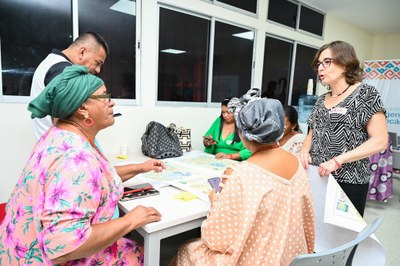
(209, 138)
(140, 194)
(214, 182)
(137, 188)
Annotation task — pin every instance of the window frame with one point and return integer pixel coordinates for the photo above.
(293, 60)
(293, 69)
(213, 20)
(297, 28)
(307, 32)
(236, 9)
(75, 33)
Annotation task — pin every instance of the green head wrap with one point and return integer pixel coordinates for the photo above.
(65, 93)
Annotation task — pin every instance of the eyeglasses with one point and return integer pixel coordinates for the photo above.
(106, 97)
(326, 62)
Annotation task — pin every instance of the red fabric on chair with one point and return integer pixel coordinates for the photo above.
(2, 211)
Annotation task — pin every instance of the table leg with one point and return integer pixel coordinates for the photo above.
(152, 241)
(152, 249)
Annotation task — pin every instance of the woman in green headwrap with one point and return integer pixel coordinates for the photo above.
(61, 209)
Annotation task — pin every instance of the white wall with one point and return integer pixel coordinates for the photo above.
(385, 47)
(16, 135)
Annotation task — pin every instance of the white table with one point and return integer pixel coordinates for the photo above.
(177, 216)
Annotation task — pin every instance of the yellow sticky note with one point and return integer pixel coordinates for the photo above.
(185, 196)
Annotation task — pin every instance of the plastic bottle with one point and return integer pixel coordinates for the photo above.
(306, 102)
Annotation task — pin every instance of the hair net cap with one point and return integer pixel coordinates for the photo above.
(65, 93)
(258, 119)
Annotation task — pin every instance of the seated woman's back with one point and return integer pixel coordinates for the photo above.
(259, 218)
(264, 213)
(278, 214)
(277, 161)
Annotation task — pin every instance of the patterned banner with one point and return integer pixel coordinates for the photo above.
(376, 70)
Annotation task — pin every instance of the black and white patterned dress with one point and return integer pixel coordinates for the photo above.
(342, 128)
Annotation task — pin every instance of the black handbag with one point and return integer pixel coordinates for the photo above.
(159, 142)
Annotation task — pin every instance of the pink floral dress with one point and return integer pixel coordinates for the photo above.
(65, 187)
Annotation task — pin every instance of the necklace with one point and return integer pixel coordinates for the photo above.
(268, 147)
(88, 138)
(339, 93)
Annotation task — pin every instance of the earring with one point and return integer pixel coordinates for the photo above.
(88, 121)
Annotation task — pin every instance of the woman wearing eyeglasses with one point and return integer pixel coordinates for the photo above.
(60, 211)
(347, 124)
(222, 138)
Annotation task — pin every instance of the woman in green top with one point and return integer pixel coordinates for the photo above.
(222, 139)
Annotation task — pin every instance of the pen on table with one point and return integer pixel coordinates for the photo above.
(117, 114)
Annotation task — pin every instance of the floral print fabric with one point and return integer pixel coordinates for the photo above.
(381, 182)
(65, 187)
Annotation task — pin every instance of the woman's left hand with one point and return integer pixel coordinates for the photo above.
(222, 155)
(153, 165)
(327, 167)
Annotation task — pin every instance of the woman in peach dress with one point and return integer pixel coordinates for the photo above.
(263, 214)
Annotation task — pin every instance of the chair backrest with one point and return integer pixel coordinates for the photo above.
(339, 255)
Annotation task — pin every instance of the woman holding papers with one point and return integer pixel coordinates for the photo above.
(347, 124)
(222, 139)
(61, 207)
(264, 213)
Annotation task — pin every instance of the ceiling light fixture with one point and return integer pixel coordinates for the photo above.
(248, 35)
(125, 6)
(173, 51)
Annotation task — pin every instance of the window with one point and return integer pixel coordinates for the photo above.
(38, 26)
(248, 5)
(276, 71)
(232, 61)
(285, 12)
(117, 25)
(29, 30)
(311, 21)
(182, 64)
(304, 56)
(183, 67)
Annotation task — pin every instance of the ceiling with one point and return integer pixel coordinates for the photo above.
(374, 16)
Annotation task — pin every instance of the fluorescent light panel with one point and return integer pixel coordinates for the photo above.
(125, 6)
(249, 35)
(173, 51)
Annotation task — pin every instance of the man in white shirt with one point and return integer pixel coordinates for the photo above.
(89, 50)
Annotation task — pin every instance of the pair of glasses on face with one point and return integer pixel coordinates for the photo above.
(103, 97)
(326, 62)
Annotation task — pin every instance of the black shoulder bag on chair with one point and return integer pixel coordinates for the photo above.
(159, 142)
